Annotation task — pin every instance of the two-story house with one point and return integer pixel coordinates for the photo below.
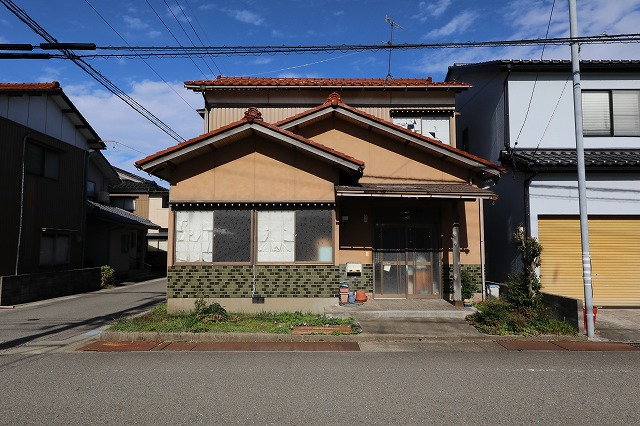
(54, 184)
(520, 113)
(299, 184)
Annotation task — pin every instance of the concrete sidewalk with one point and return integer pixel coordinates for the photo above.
(387, 325)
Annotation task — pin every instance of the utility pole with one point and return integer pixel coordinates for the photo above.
(582, 181)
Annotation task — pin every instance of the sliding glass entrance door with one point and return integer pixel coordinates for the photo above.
(406, 263)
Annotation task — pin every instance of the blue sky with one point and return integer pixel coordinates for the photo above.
(158, 83)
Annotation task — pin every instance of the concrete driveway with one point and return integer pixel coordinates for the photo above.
(622, 325)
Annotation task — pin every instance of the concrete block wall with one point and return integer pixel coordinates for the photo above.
(15, 289)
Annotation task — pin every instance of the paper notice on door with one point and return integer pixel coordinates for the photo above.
(386, 268)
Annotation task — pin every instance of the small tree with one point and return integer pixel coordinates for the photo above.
(524, 287)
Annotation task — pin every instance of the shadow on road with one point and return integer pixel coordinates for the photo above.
(95, 322)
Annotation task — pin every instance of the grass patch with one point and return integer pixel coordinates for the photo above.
(159, 320)
(499, 317)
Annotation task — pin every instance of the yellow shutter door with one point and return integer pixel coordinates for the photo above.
(615, 260)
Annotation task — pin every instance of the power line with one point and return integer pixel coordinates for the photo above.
(189, 51)
(175, 38)
(143, 59)
(95, 74)
(196, 33)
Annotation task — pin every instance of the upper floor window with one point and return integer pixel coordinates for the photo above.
(41, 161)
(433, 126)
(611, 112)
(91, 188)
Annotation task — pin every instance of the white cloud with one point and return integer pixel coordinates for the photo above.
(154, 34)
(137, 136)
(338, 13)
(246, 16)
(180, 13)
(431, 9)
(458, 24)
(134, 23)
(261, 61)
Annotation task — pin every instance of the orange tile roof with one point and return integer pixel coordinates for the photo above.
(335, 100)
(252, 115)
(325, 82)
(23, 87)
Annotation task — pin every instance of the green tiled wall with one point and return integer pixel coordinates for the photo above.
(225, 281)
(447, 276)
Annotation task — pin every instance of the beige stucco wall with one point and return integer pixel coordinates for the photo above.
(254, 169)
(386, 160)
(158, 214)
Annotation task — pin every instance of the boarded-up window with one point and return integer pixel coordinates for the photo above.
(276, 236)
(194, 236)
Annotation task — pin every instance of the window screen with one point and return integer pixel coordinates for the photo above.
(314, 242)
(232, 236)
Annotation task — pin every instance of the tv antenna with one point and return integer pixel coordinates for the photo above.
(392, 25)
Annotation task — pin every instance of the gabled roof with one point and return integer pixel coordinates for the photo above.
(547, 65)
(324, 83)
(159, 163)
(65, 104)
(117, 215)
(566, 159)
(131, 183)
(334, 105)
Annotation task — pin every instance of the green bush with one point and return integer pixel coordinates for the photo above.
(498, 316)
(107, 276)
(468, 285)
(213, 312)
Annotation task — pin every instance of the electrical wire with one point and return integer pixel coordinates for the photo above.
(198, 36)
(94, 73)
(535, 81)
(188, 51)
(143, 60)
(176, 39)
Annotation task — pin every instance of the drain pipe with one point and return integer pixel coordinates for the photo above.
(24, 149)
(482, 253)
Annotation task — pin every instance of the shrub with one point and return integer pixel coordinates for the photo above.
(468, 285)
(497, 316)
(107, 278)
(213, 312)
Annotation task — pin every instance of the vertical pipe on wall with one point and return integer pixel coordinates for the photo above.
(455, 238)
(482, 254)
(24, 149)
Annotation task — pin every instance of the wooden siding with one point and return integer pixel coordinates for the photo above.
(48, 203)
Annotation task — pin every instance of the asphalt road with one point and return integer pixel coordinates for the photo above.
(53, 324)
(310, 388)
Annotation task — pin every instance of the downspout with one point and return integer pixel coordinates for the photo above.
(527, 204)
(24, 149)
(505, 90)
(482, 253)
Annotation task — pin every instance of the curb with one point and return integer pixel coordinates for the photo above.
(116, 336)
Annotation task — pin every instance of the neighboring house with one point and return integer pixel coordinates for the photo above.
(146, 199)
(521, 114)
(115, 236)
(299, 188)
(50, 165)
